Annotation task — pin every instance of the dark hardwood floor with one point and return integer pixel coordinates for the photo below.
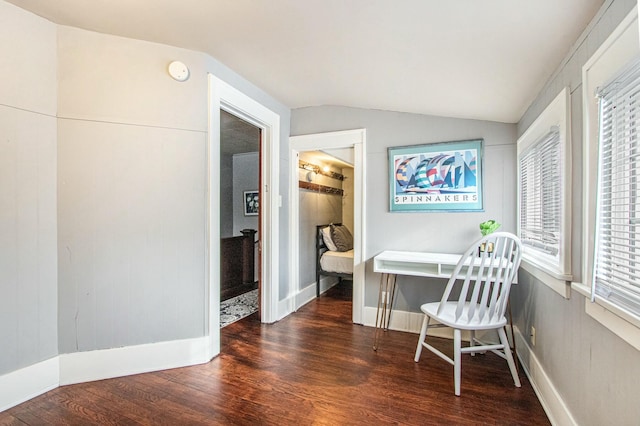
(313, 367)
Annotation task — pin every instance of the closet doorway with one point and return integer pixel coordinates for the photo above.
(240, 218)
(353, 141)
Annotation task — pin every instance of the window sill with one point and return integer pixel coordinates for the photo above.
(560, 283)
(621, 323)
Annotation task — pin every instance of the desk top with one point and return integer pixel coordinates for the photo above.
(438, 265)
(419, 264)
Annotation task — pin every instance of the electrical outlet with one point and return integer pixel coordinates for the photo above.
(533, 335)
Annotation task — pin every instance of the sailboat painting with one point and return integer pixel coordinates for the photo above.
(443, 176)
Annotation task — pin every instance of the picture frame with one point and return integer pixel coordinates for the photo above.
(437, 177)
(251, 203)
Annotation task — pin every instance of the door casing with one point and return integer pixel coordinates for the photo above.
(225, 97)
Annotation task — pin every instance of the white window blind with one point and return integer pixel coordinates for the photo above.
(617, 250)
(541, 182)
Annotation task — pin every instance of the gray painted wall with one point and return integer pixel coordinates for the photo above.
(315, 209)
(133, 190)
(28, 252)
(126, 194)
(595, 372)
(245, 178)
(348, 199)
(443, 232)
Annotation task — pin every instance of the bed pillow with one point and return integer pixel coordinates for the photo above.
(341, 237)
(326, 236)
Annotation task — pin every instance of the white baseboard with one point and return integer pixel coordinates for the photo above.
(107, 363)
(21, 385)
(284, 308)
(305, 295)
(410, 322)
(308, 293)
(549, 397)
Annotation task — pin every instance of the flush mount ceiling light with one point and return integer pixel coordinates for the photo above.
(179, 71)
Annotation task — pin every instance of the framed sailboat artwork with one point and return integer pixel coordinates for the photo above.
(437, 177)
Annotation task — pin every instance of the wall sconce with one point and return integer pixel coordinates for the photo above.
(311, 176)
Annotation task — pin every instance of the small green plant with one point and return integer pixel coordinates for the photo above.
(488, 227)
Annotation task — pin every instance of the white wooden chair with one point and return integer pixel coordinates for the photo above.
(484, 276)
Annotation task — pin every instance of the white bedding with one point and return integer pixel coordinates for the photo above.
(337, 261)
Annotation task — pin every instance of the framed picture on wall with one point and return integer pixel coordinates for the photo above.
(436, 177)
(251, 203)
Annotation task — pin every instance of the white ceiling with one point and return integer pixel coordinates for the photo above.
(484, 59)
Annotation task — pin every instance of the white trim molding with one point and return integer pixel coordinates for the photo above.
(410, 322)
(621, 324)
(308, 293)
(558, 283)
(80, 367)
(555, 270)
(617, 50)
(22, 385)
(549, 397)
(225, 97)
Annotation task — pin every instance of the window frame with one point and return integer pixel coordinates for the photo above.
(616, 51)
(557, 275)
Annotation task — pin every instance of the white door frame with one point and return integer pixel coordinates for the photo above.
(355, 139)
(225, 97)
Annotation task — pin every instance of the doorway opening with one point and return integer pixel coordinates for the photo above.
(326, 201)
(224, 97)
(348, 147)
(239, 218)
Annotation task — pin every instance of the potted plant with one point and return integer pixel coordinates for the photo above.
(487, 228)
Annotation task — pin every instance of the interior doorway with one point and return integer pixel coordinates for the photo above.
(239, 218)
(222, 96)
(355, 142)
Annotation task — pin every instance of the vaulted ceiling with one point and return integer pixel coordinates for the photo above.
(482, 59)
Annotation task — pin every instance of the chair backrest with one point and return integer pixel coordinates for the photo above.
(486, 271)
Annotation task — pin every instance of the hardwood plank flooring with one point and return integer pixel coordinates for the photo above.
(313, 367)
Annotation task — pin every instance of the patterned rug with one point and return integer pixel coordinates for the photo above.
(238, 307)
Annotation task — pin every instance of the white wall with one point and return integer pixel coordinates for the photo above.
(444, 232)
(28, 253)
(594, 372)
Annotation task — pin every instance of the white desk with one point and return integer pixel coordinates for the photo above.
(419, 264)
(436, 265)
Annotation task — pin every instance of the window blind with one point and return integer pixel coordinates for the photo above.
(617, 250)
(541, 195)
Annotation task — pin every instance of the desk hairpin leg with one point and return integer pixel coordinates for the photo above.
(383, 314)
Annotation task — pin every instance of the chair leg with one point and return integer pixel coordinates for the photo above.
(457, 342)
(423, 335)
(472, 336)
(507, 354)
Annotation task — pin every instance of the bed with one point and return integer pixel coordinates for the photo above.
(332, 263)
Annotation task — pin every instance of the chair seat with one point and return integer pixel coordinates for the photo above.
(447, 317)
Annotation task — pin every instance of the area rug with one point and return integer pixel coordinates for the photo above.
(238, 307)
